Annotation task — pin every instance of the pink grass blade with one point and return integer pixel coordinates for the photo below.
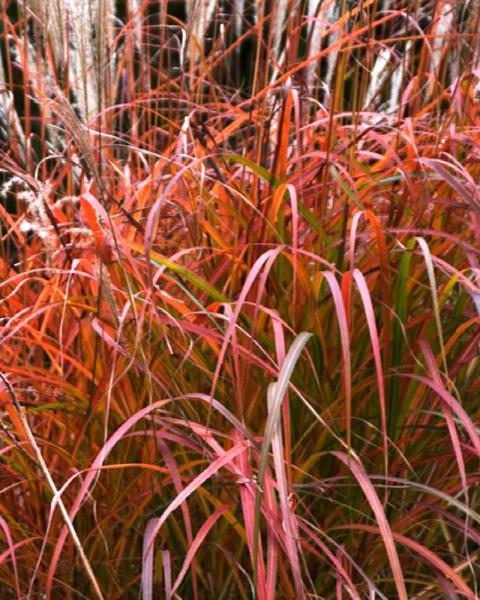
(214, 466)
(269, 256)
(288, 516)
(167, 573)
(454, 405)
(372, 326)
(434, 373)
(102, 456)
(273, 416)
(11, 549)
(339, 568)
(434, 559)
(197, 542)
(361, 476)
(147, 561)
(345, 341)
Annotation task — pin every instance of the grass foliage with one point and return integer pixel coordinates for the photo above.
(240, 299)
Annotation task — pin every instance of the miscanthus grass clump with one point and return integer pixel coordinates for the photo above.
(239, 299)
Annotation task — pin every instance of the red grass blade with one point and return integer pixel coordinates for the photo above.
(361, 476)
(11, 551)
(425, 553)
(197, 542)
(147, 560)
(372, 326)
(345, 339)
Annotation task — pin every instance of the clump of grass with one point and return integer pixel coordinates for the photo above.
(240, 298)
